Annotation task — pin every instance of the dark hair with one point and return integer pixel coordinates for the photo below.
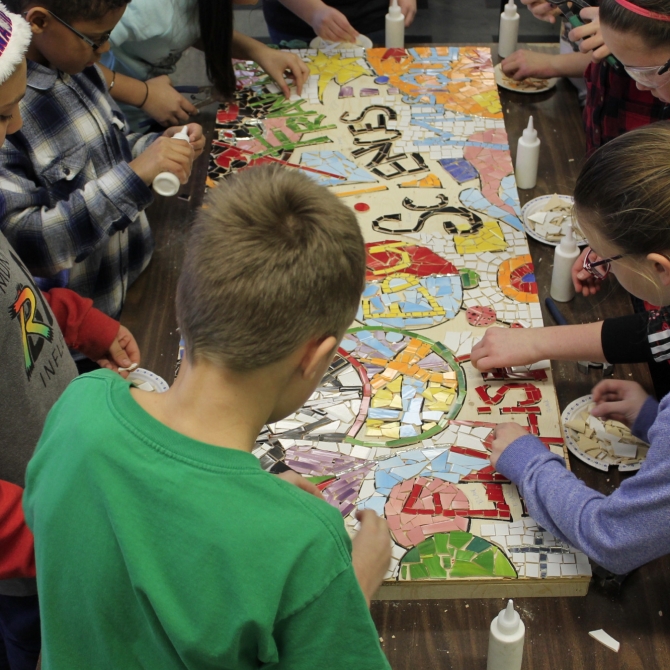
(273, 260)
(655, 33)
(216, 34)
(71, 10)
(623, 191)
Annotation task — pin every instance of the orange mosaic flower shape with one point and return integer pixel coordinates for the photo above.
(465, 84)
(516, 279)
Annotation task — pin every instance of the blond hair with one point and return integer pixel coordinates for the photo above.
(273, 260)
(624, 190)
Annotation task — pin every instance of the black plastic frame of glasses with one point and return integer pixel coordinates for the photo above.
(588, 266)
(94, 45)
(665, 68)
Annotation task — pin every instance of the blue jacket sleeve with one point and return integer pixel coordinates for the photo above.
(621, 531)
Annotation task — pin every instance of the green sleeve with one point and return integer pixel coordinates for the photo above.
(333, 632)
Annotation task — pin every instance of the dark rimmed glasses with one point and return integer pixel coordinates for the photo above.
(596, 266)
(94, 45)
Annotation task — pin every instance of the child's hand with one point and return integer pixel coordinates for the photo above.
(371, 554)
(408, 8)
(123, 352)
(330, 24)
(165, 104)
(297, 480)
(522, 64)
(505, 347)
(542, 10)
(618, 400)
(590, 34)
(164, 155)
(504, 434)
(276, 63)
(583, 281)
(195, 137)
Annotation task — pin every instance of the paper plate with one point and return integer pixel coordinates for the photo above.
(140, 375)
(361, 41)
(571, 412)
(522, 86)
(535, 205)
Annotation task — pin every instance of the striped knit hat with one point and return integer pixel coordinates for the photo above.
(15, 35)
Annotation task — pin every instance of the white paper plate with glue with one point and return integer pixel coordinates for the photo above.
(601, 444)
(361, 41)
(147, 380)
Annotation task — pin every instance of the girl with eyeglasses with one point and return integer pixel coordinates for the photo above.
(623, 206)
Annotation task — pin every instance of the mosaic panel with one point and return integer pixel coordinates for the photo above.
(414, 141)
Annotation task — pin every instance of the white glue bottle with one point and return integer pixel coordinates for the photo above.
(567, 252)
(506, 640)
(527, 157)
(509, 30)
(166, 183)
(395, 27)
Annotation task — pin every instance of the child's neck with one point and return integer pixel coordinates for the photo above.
(216, 406)
(35, 54)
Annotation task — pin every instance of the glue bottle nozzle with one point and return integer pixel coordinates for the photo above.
(508, 619)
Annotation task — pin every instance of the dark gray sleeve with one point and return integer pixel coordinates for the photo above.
(624, 339)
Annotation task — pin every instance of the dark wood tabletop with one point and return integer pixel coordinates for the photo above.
(433, 634)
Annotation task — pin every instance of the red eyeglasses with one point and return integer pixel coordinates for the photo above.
(596, 266)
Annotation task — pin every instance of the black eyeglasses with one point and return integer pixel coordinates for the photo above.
(598, 268)
(94, 45)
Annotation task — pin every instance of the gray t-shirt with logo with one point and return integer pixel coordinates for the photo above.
(36, 368)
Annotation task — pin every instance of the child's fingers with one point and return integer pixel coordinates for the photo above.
(608, 388)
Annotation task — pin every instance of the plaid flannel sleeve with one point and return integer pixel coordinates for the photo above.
(139, 142)
(52, 237)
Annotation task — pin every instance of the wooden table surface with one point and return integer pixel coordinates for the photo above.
(433, 634)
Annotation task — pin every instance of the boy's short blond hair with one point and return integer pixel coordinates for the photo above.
(273, 260)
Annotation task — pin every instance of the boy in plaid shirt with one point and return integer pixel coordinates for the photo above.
(73, 184)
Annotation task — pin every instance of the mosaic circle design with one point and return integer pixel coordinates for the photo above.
(516, 279)
(409, 286)
(386, 388)
(455, 555)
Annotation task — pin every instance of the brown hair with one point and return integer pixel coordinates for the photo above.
(624, 190)
(272, 260)
(655, 33)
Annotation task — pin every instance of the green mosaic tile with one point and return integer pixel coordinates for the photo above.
(469, 278)
(502, 567)
(485, 559)
(463, 569)
(462, 555)
(318, 480)
(478, 544)
(427, 548)
(412, 556)
(435, 569)
(418, 571)
(441, 543)
(459, 539)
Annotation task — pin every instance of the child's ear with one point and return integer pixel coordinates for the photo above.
(38, 18)
(661, 265)
(318, 352)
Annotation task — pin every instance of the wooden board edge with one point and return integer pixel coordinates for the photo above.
(468, 589)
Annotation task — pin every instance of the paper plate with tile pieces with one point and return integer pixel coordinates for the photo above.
(147, 380)
(601, 444)
(543, 218)
(361, 41)
(529, 85)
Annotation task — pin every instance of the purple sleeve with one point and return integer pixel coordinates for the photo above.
(619, 532)
(645, 419)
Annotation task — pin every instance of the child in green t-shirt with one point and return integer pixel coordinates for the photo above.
(160, 541)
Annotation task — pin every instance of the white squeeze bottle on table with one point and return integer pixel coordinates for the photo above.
(527, 157)
(506, 640)
(567, 252)
(509, 30)
(395, 27)
(166, 183)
